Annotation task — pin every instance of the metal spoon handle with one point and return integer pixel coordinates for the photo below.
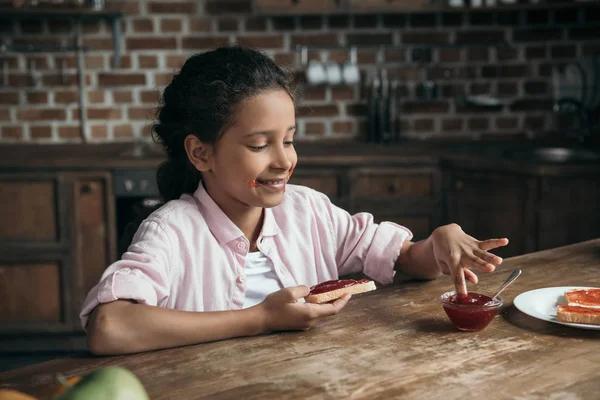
(515, 274)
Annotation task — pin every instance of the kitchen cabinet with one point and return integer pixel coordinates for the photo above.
(409, 196)
(568, 211)
(490, 205)
(55, 241)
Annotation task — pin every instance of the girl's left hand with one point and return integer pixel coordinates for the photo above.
(456, 253)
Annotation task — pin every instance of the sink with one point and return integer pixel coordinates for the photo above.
(554, 155)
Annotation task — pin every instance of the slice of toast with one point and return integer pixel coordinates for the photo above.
(583, 297)
(579, 315)
(354, 288)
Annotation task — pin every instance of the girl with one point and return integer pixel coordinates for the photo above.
(234, 249)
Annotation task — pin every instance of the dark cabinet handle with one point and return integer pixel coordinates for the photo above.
(459, 184)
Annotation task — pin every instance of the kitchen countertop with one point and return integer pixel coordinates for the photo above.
(469, 155)
(395, 342)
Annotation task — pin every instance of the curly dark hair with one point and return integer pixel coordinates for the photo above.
(202, 100)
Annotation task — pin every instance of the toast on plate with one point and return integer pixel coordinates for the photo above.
(578, 314)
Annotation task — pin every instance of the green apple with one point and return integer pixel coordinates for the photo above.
(109, 383)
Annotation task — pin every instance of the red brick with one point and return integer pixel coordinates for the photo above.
(366, 57)
(478, 54)
(346, 127)
(122, 97)
(96, 96)
(163, 79)
(69, 132)
(480, 36)
(567, 51)
(536, 87)
(394, 20)
(256, 24)
(200, 25)
(19, 80)
(528, 104)
(507, 122)
(147, 61)
(150, 96)
(507, 53)
(37, 97)
(425, 37)
(92, 27)
(315, 128)
(480, 88)
(422, 20)
(104, 113)
(37, 62)
(40, 132)
(171, 25)
(228, 7)
(147, 130)
(151, 43)
(197, 43)
(452, 124)
(9, 98)
(92, 62)
(285, 59)
(356, 110)
(480, 123)
(124, 62)
(65, 97)
(342, 93)
(584, 33)
(143, 25)
(368, 39)
(43, 114)
(261, 42)
(228, 25)
(99, 131)
(508, 88)
(535, 122)
(395, 55)
(325, 39)
(314, 93)
(129, 7)
(12, 132)
(110, 79)
(124, 130)
(141, 114)
(98, 44)
(424, 125)
(51, 42)
(506, 71)
(172, 7)
(537, 35)
(175, 61)
(450, 55)
(318, 111)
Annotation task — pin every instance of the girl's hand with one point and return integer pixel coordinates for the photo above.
(456, 253)
(281, 310)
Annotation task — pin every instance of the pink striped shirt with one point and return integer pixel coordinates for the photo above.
(188, 255)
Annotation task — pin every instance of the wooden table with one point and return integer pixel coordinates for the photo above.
(395, 342)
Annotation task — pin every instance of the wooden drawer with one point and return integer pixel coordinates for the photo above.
(327, 183)
(393, 183)
(29, 209)
(31, 292)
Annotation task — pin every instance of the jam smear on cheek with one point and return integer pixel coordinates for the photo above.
(254, 183)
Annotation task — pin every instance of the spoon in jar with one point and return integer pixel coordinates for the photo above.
(515, 274)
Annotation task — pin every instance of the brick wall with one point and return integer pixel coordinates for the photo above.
(159, 35)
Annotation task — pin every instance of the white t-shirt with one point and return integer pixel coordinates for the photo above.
(261, 279)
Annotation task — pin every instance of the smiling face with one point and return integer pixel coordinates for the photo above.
(251, 163)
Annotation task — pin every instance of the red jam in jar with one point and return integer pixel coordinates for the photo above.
(472, 312)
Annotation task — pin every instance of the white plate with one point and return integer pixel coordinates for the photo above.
(541, 304)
